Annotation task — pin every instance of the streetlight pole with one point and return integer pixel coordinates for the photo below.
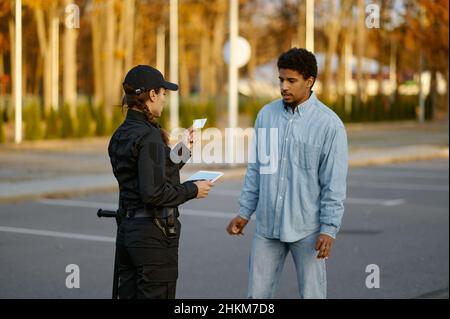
(18, 73)
(174, 96)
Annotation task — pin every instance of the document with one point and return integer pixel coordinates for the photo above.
(199, 123)
(205, 175)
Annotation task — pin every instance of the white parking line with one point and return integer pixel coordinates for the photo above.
(49, 233)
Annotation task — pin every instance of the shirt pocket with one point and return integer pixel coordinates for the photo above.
(306, 155)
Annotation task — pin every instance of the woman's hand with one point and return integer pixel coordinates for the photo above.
(203, 188)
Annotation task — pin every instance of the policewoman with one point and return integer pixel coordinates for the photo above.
(150, 190)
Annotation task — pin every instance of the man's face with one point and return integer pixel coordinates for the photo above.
(157, 101)
(293, 87)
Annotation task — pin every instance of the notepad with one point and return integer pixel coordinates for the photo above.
(206, 175)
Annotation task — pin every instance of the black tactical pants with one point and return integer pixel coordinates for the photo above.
(147, 260)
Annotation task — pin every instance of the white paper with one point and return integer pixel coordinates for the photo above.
(199, 123)
(205, 175)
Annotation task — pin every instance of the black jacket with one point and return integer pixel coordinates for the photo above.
(142, 166)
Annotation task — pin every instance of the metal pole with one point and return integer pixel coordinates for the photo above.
(174, 96)
(18, 73)
(55, 62)
(310, 25)
(232, 79)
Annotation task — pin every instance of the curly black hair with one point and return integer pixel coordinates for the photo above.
(300, 60)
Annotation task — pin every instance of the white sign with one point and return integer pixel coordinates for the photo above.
(243, 52)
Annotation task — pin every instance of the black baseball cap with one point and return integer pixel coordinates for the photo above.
(145, 78)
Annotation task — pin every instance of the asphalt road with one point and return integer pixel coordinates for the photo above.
(397, 217)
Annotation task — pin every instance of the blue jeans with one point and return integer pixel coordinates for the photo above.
(266, 263)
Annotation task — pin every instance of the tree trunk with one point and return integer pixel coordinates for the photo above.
(12, 56)
(119, 55)
(333, 30)
(360, 53)
(204, 67)
(301, 23)
(434, 97)
(46, 54)
(217, 65)
(108, 66)
(129, 34)
(97, 49)
(54, 57)
(184, 70)
(70, 66)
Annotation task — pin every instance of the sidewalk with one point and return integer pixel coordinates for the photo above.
(74, 167)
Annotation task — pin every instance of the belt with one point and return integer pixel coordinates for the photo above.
(142, 213)
(154, 213)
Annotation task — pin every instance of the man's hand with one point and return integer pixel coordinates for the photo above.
(236, 226)
(324, 245)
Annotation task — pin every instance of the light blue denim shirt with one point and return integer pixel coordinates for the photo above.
(302, 188)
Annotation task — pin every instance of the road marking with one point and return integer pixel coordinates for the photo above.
(49, 233)
(207, 213)
(109, 206)
(401, 174)
(401, 186)
(381, 202)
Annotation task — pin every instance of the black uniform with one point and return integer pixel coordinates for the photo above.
(150, 192)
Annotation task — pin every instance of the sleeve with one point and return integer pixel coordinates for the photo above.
(332, 179)
(153, 186)
(250, 191)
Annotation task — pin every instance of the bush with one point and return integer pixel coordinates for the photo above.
(67, 122)
(251, 106)
(2, 128)
(189, 111)
(117, 118)
(52, 125)
(101, 127)
(84, 121)
(33, 124)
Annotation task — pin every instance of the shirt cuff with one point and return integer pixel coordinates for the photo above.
(329, 230)
(245, 213)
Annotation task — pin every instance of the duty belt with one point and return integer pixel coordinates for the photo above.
(163, 218)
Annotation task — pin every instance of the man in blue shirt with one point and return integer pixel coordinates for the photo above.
(298, 197)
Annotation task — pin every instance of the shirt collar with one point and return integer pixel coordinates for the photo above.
(302, 107)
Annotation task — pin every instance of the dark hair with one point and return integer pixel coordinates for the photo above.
(300, 60)
(133, 100)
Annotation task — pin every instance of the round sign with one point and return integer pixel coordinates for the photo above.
(243, 52)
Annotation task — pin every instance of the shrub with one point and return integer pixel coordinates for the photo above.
(52, 125)
(2, 128)
(84, 121)
(33, 124)
(101, 122)
(67, 122)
